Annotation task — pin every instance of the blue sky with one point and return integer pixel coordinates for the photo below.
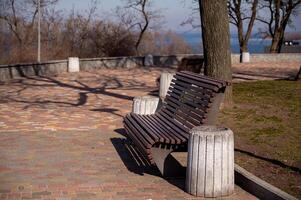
(174, 11)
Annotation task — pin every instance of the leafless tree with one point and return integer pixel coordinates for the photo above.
(19, 16)
(138, 15)
(164, 43)
(241, 13)
(79, 33)
(279, 17)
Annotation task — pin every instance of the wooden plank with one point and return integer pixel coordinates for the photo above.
(222, 82)
(163, 136)
(135, 139)
(193, 104)
(152, 128)
(185, 110)
(177, 131)
(177, 118)
(169, 130)
(133, 136)
(142, 132)
(190, 81)
(183, 86)
(138, 133)
(187, 92)
(204, 79)
(185, 116)
(198, 90)
(145, 152)
(165, 131)
(175, 123)
(150, 132)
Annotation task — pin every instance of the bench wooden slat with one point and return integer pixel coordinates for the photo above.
(187, 109)
(167, 138)
(139, 133)
(193, 104)
(163, 134)
(175, 123)
(148, 123)
(150, 131)
(186, 87)
(169, 130)
(204, 79)
(146, 152)
(175, 117)
(180, 113)
(181, 133)
(190, 112)
(166, 132)
(130, 131)
(179, 91)
(191, 81)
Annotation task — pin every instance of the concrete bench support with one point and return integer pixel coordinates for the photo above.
(145, 105)
(165, 81)
(210, 162)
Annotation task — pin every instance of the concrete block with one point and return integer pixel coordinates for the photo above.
(210, 162)
(245, 57)
(145, 105)
(165, 81)
(73, 64)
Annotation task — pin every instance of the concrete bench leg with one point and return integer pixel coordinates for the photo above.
(166, 163)
(145, 105)
(165, 80)
(210, 162)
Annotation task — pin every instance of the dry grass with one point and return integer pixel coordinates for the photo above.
(266, 120)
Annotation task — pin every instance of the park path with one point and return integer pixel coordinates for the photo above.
(62, 138)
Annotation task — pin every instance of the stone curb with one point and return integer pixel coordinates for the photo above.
(259, 187)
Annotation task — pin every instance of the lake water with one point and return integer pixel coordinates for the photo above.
(255, 45)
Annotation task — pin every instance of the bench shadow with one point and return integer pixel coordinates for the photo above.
(121, 131)
(132, 158)
(135, 162)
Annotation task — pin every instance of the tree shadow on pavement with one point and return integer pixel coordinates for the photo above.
(103, 85)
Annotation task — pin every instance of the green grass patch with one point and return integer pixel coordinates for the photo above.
(266, 121)
(267, 117)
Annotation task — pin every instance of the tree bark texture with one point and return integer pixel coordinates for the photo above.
(216, 42)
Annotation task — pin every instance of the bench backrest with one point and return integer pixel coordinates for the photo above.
(193, 99)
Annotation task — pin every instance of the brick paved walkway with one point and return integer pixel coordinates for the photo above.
(60, 138)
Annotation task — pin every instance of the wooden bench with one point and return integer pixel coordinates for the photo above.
(192, 100)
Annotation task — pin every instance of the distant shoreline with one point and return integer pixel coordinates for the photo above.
(255, 45)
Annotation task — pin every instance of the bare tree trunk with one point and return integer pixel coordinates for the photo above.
(275, 42)
(238, 19)
(216, 41)
(144, 27)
